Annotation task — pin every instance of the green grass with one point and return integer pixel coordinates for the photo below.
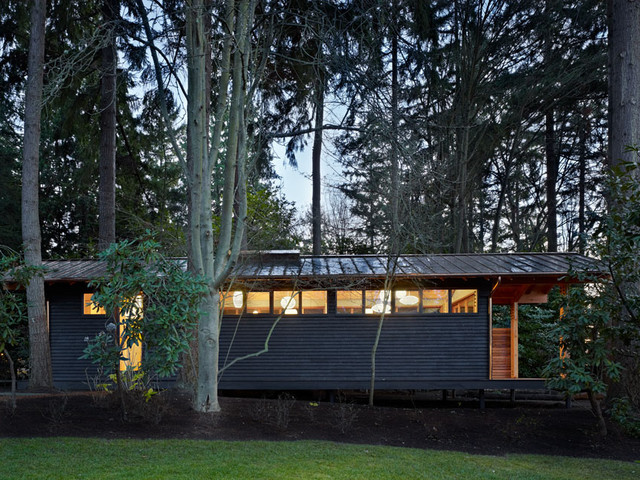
(75, 458)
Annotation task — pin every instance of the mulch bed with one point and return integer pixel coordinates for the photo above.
(457, 424)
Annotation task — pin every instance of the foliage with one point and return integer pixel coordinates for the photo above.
(13, 308)
(25, 458)
(163, 325)
(537, 340)
(475, 85)
(621, 252)
(537, 343)
(584, 362)
(271, 220)
(624, 413)
(600, 328)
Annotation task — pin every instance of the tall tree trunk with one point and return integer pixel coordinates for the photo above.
(496, 227)
(395, 123)
(624, 79)
(107, 183)
(316, 210)
(624, 101)
(229, 113)
(39, 352)
(552, 179)
(583, 134)
(200, 237)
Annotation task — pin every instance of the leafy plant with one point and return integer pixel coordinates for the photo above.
(162, 323)
(624, 414)
(13, 313)
(584, 362)
(600, 328)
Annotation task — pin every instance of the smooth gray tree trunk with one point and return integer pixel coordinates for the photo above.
(39, 351)
(205, 147)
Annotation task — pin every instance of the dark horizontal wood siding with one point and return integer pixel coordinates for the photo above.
(334, 352)
(68, 329)
(308, 352)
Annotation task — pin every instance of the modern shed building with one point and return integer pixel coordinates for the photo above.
(315, 318)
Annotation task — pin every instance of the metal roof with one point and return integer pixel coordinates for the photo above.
(275, 265)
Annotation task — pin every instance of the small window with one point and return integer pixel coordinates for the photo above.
(464, 301)
(90, 307)
(286, 302)
(314, 302)
(377, 301)
(435, 301)
(232, 302)
(349, 301)
(258, 302)
(132, 355)
(407, 301)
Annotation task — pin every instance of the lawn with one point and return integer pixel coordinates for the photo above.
(70, 458)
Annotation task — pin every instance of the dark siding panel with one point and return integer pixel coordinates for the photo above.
(68, 329)
(335, 352)
(307, 352)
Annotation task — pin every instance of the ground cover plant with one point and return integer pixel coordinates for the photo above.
(422, 421)
(53, 458)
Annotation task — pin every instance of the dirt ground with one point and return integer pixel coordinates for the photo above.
(409, 420)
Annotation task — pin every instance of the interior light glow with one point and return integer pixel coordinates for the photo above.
(288, 303)
(409, 300)
(384, 294)
(237, 299)
(378, 307)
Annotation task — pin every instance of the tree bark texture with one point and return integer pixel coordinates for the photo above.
(624, 109)
(39, 352)
(624, 79)
(215, 262)
(107, 168)
(201, 247)
(316, 155)
(583, 135)
(552, 179)
(395, 123)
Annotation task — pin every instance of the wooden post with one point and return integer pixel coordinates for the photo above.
(514, 340)
(563, 292)
(490, 338)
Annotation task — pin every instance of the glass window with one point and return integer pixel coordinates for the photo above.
(286, 302)
(258, 302)
(232, 302)
(131, 353)
(89, 307)
(407, 301)
(349, 301)
(377, 301)
(464, 301)
(435, 301)
(314, 302)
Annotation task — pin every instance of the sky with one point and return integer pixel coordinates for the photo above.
(296, 183)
